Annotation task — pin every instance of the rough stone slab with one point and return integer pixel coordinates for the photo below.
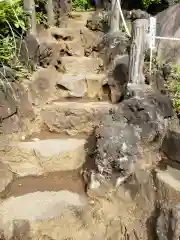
(6, 176)
(38, 157)
(48, 84)
(32, 207)
(81, 65)
(75, 117)
(65, 34)
(87, 85)
(168, 186)
(77, 20)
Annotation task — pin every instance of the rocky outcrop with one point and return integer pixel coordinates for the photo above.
(124, 135)
(167, 22)
(170, 146)
(114, 51)
(15, 108)
(74, 118)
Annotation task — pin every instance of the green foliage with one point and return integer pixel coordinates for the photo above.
(12, 27)
(174, 87)
(81, 4)
(41, 15)
(41, 19)
(146, 3)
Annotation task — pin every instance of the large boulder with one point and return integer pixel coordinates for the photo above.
(124, 136)
(15, 108)
(114, 51)
(168, 26)
(170, 146)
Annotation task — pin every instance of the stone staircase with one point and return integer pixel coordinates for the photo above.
(69, 98)
(41, 189)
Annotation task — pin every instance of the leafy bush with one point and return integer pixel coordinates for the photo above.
(146, 3)
(12, 27)
(81, 4)
(174, 87)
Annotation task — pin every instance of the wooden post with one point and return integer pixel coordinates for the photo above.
(50, 12)
(29, 7)
(137, 51)
(115, 16)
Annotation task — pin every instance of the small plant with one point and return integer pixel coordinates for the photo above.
(146, 3)
(41, 19)
(174, 87)
(81, 4)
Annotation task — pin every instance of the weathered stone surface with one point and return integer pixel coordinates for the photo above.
(113, 45)
(168, 223)
(167, 212)
(6, 176)
(168, 185)
(118, 78)
(90, 41)
(171, 146)
(168, 26)
(76, 20)
(89, 85)
(48, 84)
(69, 40)
(19, 219)
(15, 108)
(37, 157)
(76, 65)
(124, 136)
(114, 50)
(74, 117)
(43, 85)
(29, 50)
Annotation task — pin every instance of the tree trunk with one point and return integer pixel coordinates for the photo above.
(137, 51)
(50, 12)
(115, 16)
(29, 7)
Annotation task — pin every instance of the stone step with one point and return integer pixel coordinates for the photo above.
(81, 65)
(76, 20)
(169, 186)
(65, 34)
(36, 157)
(74, 117)
(24, 216)
(48, 85)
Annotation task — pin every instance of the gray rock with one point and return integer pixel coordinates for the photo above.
(74, 84)
(114, 49)
(168, 26)
(29, 50)
(136, 122)
(112, 45)
(18, 217)
(118, 78)
(6, 176)
(171, 146)
(15, 107)
(168, 223)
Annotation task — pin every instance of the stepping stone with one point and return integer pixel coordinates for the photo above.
(81, 65)
(19, 215)
(6, 176)
(75, 117)
(65, 34)
(48, 85)
(169, 186)
(87, 85)
(38, 157)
